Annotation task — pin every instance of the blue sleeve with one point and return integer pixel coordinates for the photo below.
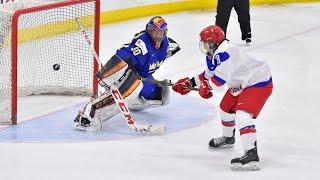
(213, 63)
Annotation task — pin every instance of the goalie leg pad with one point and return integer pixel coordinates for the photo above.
(114, 65)
(95, 112)
(103, 107)
(112, 70)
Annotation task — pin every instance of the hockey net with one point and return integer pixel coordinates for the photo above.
(34, 36)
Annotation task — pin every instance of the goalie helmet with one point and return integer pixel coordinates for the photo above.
(210, 38)
(157, 30)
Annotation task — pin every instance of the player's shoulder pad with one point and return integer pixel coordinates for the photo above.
(142, 45)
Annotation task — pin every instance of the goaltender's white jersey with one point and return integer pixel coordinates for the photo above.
(233, 67)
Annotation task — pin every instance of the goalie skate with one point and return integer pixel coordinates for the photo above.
(90, 118)
(83, 123)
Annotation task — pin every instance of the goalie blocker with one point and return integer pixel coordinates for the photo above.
(103, 107)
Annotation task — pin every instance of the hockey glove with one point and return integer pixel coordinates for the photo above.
(182, 86)
(204, 89)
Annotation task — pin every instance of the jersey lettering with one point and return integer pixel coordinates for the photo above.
(217, 60)
(136, 51)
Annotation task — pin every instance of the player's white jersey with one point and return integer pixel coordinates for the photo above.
(232, 66)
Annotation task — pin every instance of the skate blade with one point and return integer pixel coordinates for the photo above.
(227, 146)
(251, 166)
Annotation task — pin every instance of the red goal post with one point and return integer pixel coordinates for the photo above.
(36, 35)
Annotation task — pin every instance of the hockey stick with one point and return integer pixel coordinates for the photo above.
(165, 83)
(159, 129)
(154, 81)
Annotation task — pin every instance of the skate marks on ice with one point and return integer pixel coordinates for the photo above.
(183, 112)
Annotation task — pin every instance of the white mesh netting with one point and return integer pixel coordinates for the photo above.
(46, 37)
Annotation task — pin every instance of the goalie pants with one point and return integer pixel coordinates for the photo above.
(149, 90)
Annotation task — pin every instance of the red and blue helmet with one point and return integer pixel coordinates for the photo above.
(157, 30)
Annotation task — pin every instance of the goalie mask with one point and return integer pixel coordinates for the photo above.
(157, 30)
(210, 39)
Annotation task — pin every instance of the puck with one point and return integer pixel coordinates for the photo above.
(56, 67)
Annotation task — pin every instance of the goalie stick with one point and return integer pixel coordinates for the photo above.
(154, 129)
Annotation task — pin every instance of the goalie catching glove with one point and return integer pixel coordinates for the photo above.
(184, 85)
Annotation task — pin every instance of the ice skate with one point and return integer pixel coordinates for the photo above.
(248, 162)
(248, 41)
(222, 142)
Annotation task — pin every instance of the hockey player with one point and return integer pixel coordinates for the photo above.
(138, 59)
(249, 86)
